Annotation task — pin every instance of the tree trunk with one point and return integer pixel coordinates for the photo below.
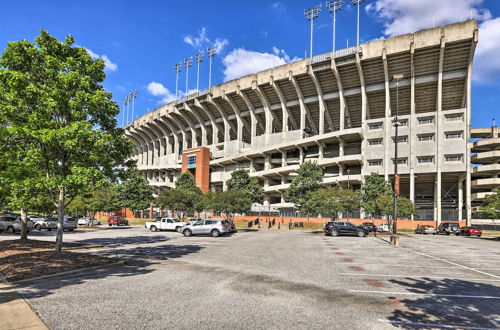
(24, 225)
(60, 221)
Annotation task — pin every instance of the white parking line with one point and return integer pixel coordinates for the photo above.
(432, 325)
(453, 263)
(403, 293)
(408, 266)
(423, 276)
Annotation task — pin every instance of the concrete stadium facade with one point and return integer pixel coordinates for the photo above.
(337, 110)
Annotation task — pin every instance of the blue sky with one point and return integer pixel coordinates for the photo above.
(142, 40)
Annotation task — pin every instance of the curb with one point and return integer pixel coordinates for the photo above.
(69, 272)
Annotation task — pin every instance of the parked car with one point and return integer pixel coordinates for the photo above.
(35, 218)
(335, 228)
(370, 226)
(13, 224)
(214, 227)
(49, 224)
(470, 231)
(117, 221)
(424, 229)
(384, 228)
(165, 224)
(448, 228)
(88, 221)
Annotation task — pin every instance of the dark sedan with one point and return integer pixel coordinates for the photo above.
(336, 228)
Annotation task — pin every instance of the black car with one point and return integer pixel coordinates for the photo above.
(370, 226)
(448, 228)
(335, 228)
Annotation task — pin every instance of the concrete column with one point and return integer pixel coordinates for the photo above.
(252, 165)
(412, 188)
(438, 198)
(224, 184)
(341, 94)
(267, 163)
(282, 198)
(283, 159)
(267, 200)
(321, 148)
(460, 197)
(301, 156)
(439, 105)
(387, 125)
(341, 147)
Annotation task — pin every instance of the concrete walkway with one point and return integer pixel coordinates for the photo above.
(15, 313)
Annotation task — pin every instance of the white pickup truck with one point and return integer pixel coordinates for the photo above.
(165, 224)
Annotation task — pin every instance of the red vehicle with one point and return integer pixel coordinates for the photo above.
(470, 231)
(117, 221)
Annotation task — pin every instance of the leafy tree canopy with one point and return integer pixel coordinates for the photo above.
(333, 201)
(229, 202)
(491, 206)
(180, 200)
(134, 192)
(308, 180)
(373, 187)
(385, 206)
(240, 180)
(185, 181)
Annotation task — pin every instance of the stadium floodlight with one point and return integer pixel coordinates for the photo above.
(357, 3)
(396, 124)
(188, 62)
(199, 59)
(311, 14)
(333, 7)
(133, 95)
(211, 51)
(178, 68)
(123, 110)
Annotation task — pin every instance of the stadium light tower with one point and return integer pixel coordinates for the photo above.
(211, 51)
(178, 68)
(124, 110)
(133, 95)
(311, 14)
(357, 3)
(396, 123)
(333, 7)
(199, 59)
(188, 62)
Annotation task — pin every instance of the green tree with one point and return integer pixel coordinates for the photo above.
(179, 200)
(53, 102)
(134, 192)
(240, 180)
(230, 202)
(185, 181)
(333, 201)
(491, 206)
(373, 187)
(385, 206)
(308, 180)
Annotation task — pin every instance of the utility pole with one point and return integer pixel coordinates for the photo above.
(396, 124)
(357, 3)
(311, 14)
(178, 68)
(199, 59)
(211, 51)
(188, 62)
(333, 7)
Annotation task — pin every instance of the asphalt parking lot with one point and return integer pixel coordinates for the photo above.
(275, 280)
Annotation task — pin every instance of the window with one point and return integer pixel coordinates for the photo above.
(375, 142)
(425, 159)
(191, 161)
(375, 162)
(401, 139)
(454, 117)
(170, 221)
(453, 158)
(426, 137)
(425, 120)
(403, 122)
(375, 126)
(453, 135)
(401, 161)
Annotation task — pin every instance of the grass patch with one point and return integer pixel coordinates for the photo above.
(138, 222)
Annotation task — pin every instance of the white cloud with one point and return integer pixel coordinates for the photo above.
(278, 6)
(405, 16)
(108, 65)
(240, 62)
(157, 89)
(202, 41)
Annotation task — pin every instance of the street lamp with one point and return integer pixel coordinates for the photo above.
(188, 62)
(199, 59)
(311, 14)
(211, 51)
(178, 68)
(357, 3)
(396, 123)
(333, 7)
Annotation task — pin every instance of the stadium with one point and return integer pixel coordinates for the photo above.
(335, 109)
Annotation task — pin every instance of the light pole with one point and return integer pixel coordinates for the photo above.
(124, 110)
(188, 62)
(178, 68)
(211, 51)
(199, 59)
(396, 124)
(348, 179)
(133, 95)
(333, 7)
(357, 3)
(311, 14)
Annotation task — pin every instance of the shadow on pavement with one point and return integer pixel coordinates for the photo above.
(448, 304)
(114, 242)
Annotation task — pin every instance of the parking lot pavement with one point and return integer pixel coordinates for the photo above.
(277, 279)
